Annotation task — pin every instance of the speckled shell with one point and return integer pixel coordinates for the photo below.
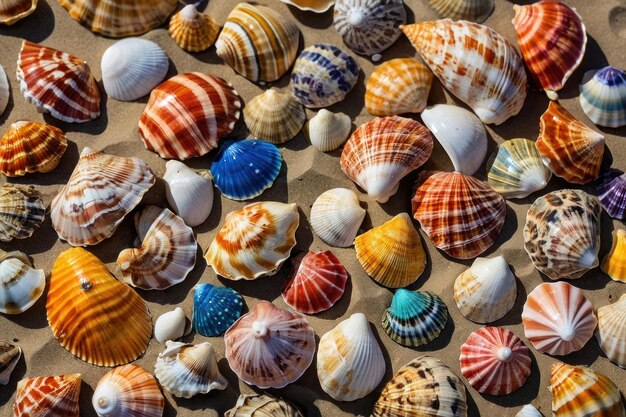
(9, 356)
(614, 262)
(475, 10)
(21, 285)
(327, 131)
(470, 220)
(562, 233)
(5, 91)
(603, 96)
(528, 411)
(475, 63)
(193, 31)
(57, 83)
(171, 325)
(611, 332)
(611, 188)
(215, 309)
(188, 114)
(13, 10)
(92, 314)
(188, 193)
(21, 211)
(262, 405)
(336, 217)
(274, 116)
(48, 396)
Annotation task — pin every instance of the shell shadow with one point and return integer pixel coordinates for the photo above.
(60, 175)
(36, 28)
(353, 103)
(518, 126)
(472, 407)
(514, 316)
(594, 59)
(42, 240)
(442, 341)
(10, 104)
(278, 191)
(84, 401)
(18, 373)
(266, 287)
(525, 394)
(312, 19)
(585, 356)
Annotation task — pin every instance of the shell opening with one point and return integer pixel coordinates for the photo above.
(504, 353)
(259, 329)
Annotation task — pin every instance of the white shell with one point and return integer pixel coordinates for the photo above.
(528, 411)
(188, 193)
(461, 134)
(336, 217)
(4, 90)
(611, 332)
(171, 325)
(20, 284)
(132, 67)
(327, 131)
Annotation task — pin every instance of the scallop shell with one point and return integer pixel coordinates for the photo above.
(350, 364)
(562, 233)
(611, 188)
(415, 318)
(167, 252)
(46, 396)
(132, 67)
(261, 405)
(528, 411)
(614, 263)
(315, 6)
(327, 131)
(270, 347)
(392, 253)
(128, 391)
(215, 309)
(21, 211)
(102, 190)
(92, 314)
(383, 151)
(188, 193)
(21, 285)
(254, 240)
(58, 83)
(423, 387)
(495, 361)
(336, 217)
(186, 370)
(603, 96)
(316, 282)
(274, 117)
(571, 150)
(258, 42)
(475, 10)
(13, 10)
(611, 332)
(171, 325)
(193, 31)
(469, 221)
(5, 92)
(323, 75)
(9, 356)
(557, 318)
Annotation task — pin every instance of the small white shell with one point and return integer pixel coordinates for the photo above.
(171, 325)
(336, 217)
(188, 193)
(20, 284)
(4, 90)
(528, 411)
(327, 131)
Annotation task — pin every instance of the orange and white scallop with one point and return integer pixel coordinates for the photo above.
(13, 10)
(611, 332)
(193, 31)
(47, 396)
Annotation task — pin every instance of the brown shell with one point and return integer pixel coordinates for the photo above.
(193, 31)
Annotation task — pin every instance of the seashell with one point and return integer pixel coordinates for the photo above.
(470, 218)
(327, 131)
(475, 10)
(578, 390)
(424, 386)
(92, 314)
(215, 309)
(603, 96)
(46, 396)
(193, 31)
(254, 240)
(128, 391)
(369, 27)
(398, 86)
(31, 147)
(262, 405)
(383, 151)
(57, 83)
(323, 75)
(258, 42)
(415, 318)
(316, 282)
(21, 285)
(517, 169)
(132, 67)
(486, 291)
(102, 190)
(188, 193)
(171, 326)
(571, 150)
(167, 252)
(557, 318)
(538, 25)
(270, 347)
(274, 117)
(350, 364)
(186, 370)
(21, 211)
(315, 6)
(13, 10)
(119, 18)
(562, 233)
(474, 62)
(611, 188)
(614, 262)
(9, 356)
(336, 217)
(611, 332)
(5, 92)
(460, 133)
(392, 253)
(528, 411)
(188, 114)
(495, 361)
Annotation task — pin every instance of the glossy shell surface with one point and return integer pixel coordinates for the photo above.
(611, 188)
(611, 332)
(336, 216)
(47, 396)
(603, 96)
(193, 31)
(21, 285)
(215, 309)
(188, 193)
(614, 262)
(274, 116)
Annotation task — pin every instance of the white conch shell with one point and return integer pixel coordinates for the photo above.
(21, 285)
(171, 325)
(611, 332)
(4, 90)
(188, 193)
(528, 411)
(336, 216)
(327, 131)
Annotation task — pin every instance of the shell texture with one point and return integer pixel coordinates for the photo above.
(262, 405)
(611, 332)
(327, 131)
(611, 188)
(603, 96)
(528, 411)
(5, 92)
(215, 309)
(13, 10)
(188, 193)
(21, 285)
(170, 326)
(274, 117)
(336, 216)
(9, 356)
(21, 211)
(474, 10)
(193, 31)
(614, 262)
(47, 396)
(315, 6)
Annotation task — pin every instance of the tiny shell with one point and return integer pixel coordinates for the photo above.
(170, 325)
(611, 332)
(611, 188)
(9, 357)
(528, 411)
(21, 211)
(336, 217)
(327, 131)
(5, 92)
(274, 116)
(262, 405)
(602, 96)
(475, 10)
(215, 309)
(614, 263)
(193, 31)
(21, 285)
(13, 10)
(188, 193)
(48, 396)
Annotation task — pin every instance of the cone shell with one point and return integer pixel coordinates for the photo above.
(128, 391)
(58, 83)
(21, 285)
(392, 253)
(471, 218)
(9, 356)
(315, 6)
(13, 10)
(528, 411)
(495, 361)
(261, 405)
(215, 309)
(614, 263)
(423, 387)
(270, 347)
(93, 315)
(336, 217)
(557, 318)
(193, 31)
(254, 240)
(171, 325)
(383, 151)
(603, 96)
(5, 92)
(327, 131)
(258, 42)
(21, 211)
(102, 190)
(48, 396)
(611, 188)
(274, 116)
(188, 193)
(611, 332)
(562, 233)
(475, 10)
(316, 282)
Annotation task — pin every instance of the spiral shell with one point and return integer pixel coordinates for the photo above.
(47, 396)
(188, 193)
(10, 354)
(327, 131)
(475, 10)
(274, 117)
(21, 285)
(13, 10)
(336, 216)
(262, 405)
(193, 31)
(611, 332)
(603, 96)
(614, 263)
(21, 211)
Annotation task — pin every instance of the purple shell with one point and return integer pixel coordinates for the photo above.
(611, 187)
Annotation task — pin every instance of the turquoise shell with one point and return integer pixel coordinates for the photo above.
(215, 309)
(603, 97)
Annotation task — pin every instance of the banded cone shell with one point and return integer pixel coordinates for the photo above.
(13, 10)
(21, 211)
(93, 315)
(193, 31)
(188, 193)
(611, 332)
(614, 262)
(327, 131)
(9, 356)
(262, 405)
(611, 188)
(215, 309)
(529, 411)
(336, 217)
(5, 92)
(48, 396)
(274, 117)
(171, 326)
(475, 10)
(21, 285)
(602, 96)
(315, 6)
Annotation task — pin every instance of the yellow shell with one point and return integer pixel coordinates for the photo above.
(614, 263)
(193, 31)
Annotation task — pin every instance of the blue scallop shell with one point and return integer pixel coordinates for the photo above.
(215, 309)
(611, 187)
(603, 97)
(243, 169)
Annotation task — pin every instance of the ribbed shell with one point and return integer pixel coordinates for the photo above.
(611, 188)
(92, 314)
(21, 211)
(261, 405)
(611, 332)
(215, 309)
(188, 193)
(274, 116)
(21, 285)
(48, 396)
(475, 10)
(336, 216)
(13, 10)
(193, 31)
(9, 356)
(327, 131)
(603, 96)
(614, 262)
(5, 91)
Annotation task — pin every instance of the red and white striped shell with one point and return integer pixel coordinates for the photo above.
(48, 396)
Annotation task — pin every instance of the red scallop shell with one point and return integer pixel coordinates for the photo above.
(48, 396)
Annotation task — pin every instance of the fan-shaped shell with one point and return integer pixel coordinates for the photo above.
(495, 361)
(383, 151)
(614, 262)
(475, 10)
(336, 216)
(603, 96)
(21, 285)
(215, 309)
(21, 211)
(254, 240)
(273, 116)
(171, 326)
(557, 318)
(611, 188)
(611, 332)
(5, 92)
(93, 315)
(13, 10)
(102, 190)
(327, 131)
(46, 396)
(193, 31)
(57, 83)
(470, 218)
(188, 193)
(528, 411)
(262, 405)
(562, 233)
(9, 356)
(270, 347)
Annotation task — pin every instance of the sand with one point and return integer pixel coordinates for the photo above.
(306, 173)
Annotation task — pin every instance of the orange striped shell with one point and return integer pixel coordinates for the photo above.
(48, 396)
(13, 10)
(193, 31)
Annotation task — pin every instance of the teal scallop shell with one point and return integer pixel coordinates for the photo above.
(215, 309)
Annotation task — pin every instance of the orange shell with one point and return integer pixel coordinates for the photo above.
(48, 396)
(193, 31)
